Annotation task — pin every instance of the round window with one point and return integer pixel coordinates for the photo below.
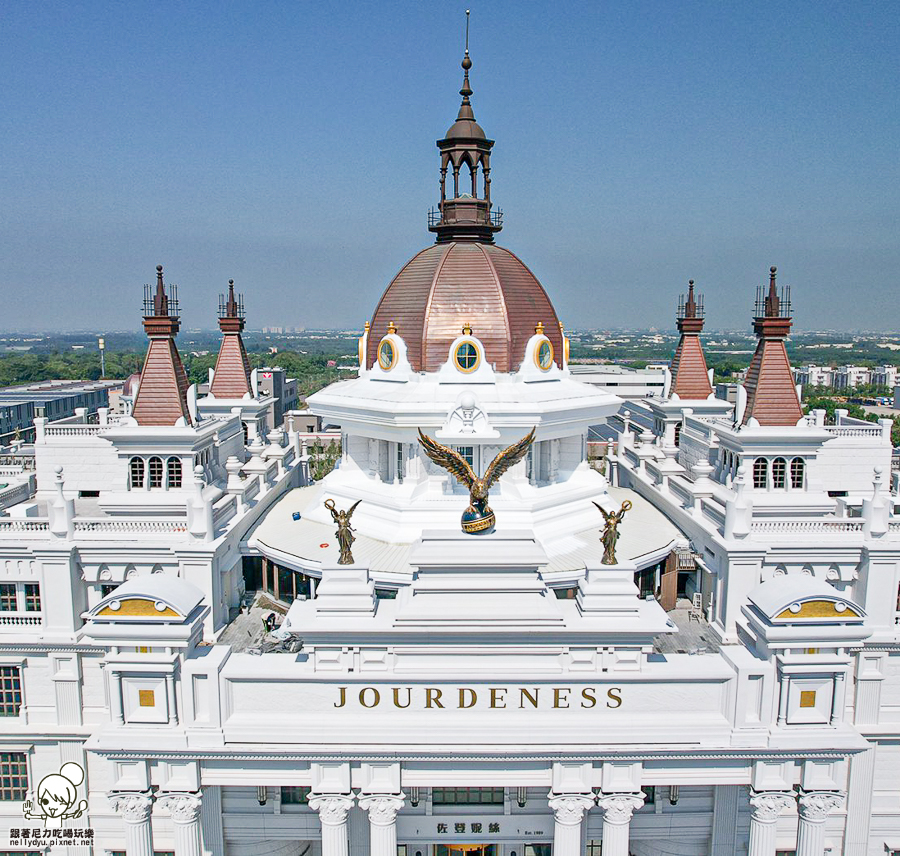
(386, 355)
(544, 355)
(467, 357)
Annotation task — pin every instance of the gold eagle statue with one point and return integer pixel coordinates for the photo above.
(478, 517)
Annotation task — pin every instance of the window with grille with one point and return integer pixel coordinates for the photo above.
(32, 597)
(797, 472)
(8, 602)
(155, 469)
(677, 433)
(136, 471)
(467, 796)
(13, 776)
(107, 588)
(779, 471)
(467, 452)
(10, 690)
(173, 473)
(593, 848)
(760, 473)
(295, 796)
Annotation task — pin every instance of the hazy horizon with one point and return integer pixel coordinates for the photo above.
(290, 146)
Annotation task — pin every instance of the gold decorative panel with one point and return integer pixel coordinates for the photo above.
(138, 607)
(807, 698)
(147, 698)
(818, 609)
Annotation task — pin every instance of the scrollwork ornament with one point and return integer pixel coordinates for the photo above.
(570, 808)
(184, 808)
(382, 808)
(815, 806)
(134, 807)
(768, 805)
(618, 808)
(332, 808)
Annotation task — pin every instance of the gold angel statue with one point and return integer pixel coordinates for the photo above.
(344, 534)
(611, 532)
(478, 517)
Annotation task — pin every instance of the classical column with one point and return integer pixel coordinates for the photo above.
(569, 810)
(135, 809)
(382, 810)
(617, 811)
(767, 805)
(333, 809)
(815, 806)
(185, 811)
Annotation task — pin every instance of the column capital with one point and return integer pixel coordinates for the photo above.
(332, 808)
(382, 808)
(134, 806)
(767, 805)
(815, 806)
(618, 808)
(184, 807)
(570, 808)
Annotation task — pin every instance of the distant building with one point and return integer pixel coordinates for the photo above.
(884, 376)
(850, 377)
(49, 399)
(626, 382)
(275, 382)
(814, 375)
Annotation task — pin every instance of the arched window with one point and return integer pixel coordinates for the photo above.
(760, 473)
(779, 473)
(173, 472)
(136, 471)
(155, 468)
(677, 433)
(246, 433)
(797, 468)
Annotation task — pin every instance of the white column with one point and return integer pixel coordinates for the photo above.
(815, 806)
(185, 811)
(767, 805)
(617, 811)
(135, 809)
(569, 810)
(382, 810)
(332, 809)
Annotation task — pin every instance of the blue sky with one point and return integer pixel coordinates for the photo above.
(290, 145)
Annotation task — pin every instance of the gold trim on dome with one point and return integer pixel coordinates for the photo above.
(138, 607)
(387, 365)
(819, 609)
(537, 355)
(477, 362)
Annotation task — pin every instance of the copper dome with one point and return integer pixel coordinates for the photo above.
(449, 285)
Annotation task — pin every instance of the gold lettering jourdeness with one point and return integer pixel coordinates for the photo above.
(344, 534)
(497, 698)
(478, 517)
(611, 532)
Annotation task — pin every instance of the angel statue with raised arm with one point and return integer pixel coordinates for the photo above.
(611, 532)
(478, 517)
(344, 532)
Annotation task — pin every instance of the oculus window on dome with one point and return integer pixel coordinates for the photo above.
(466, 357)
(387, 355)
(543, 356)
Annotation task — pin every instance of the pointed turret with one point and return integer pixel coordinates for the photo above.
(231, 378)
(161, 398)
(464, 216)
(690, 377)
(771, 393)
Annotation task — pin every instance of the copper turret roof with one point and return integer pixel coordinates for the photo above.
(162, 393)
(231, 378)
(449, 285)
(771, 393)
(690, 377)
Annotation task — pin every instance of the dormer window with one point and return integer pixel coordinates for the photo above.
(387, 355)
(543, 356)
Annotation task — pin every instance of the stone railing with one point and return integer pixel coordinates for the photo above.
(75, 429)
(713, 512)
(790, 527)
(20, 620)
(894, 526)
(24, 526)
(86, 527)
(16, 493)
(681, 492)
(224, 509)
(854, 430)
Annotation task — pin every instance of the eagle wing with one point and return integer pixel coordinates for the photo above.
(509, 457)
(448, 459)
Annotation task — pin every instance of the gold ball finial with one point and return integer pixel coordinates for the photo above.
(467, 329)
(367, 326)
(540, 327)
(391, 328)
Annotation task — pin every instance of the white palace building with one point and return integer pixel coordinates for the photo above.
(729, 685)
